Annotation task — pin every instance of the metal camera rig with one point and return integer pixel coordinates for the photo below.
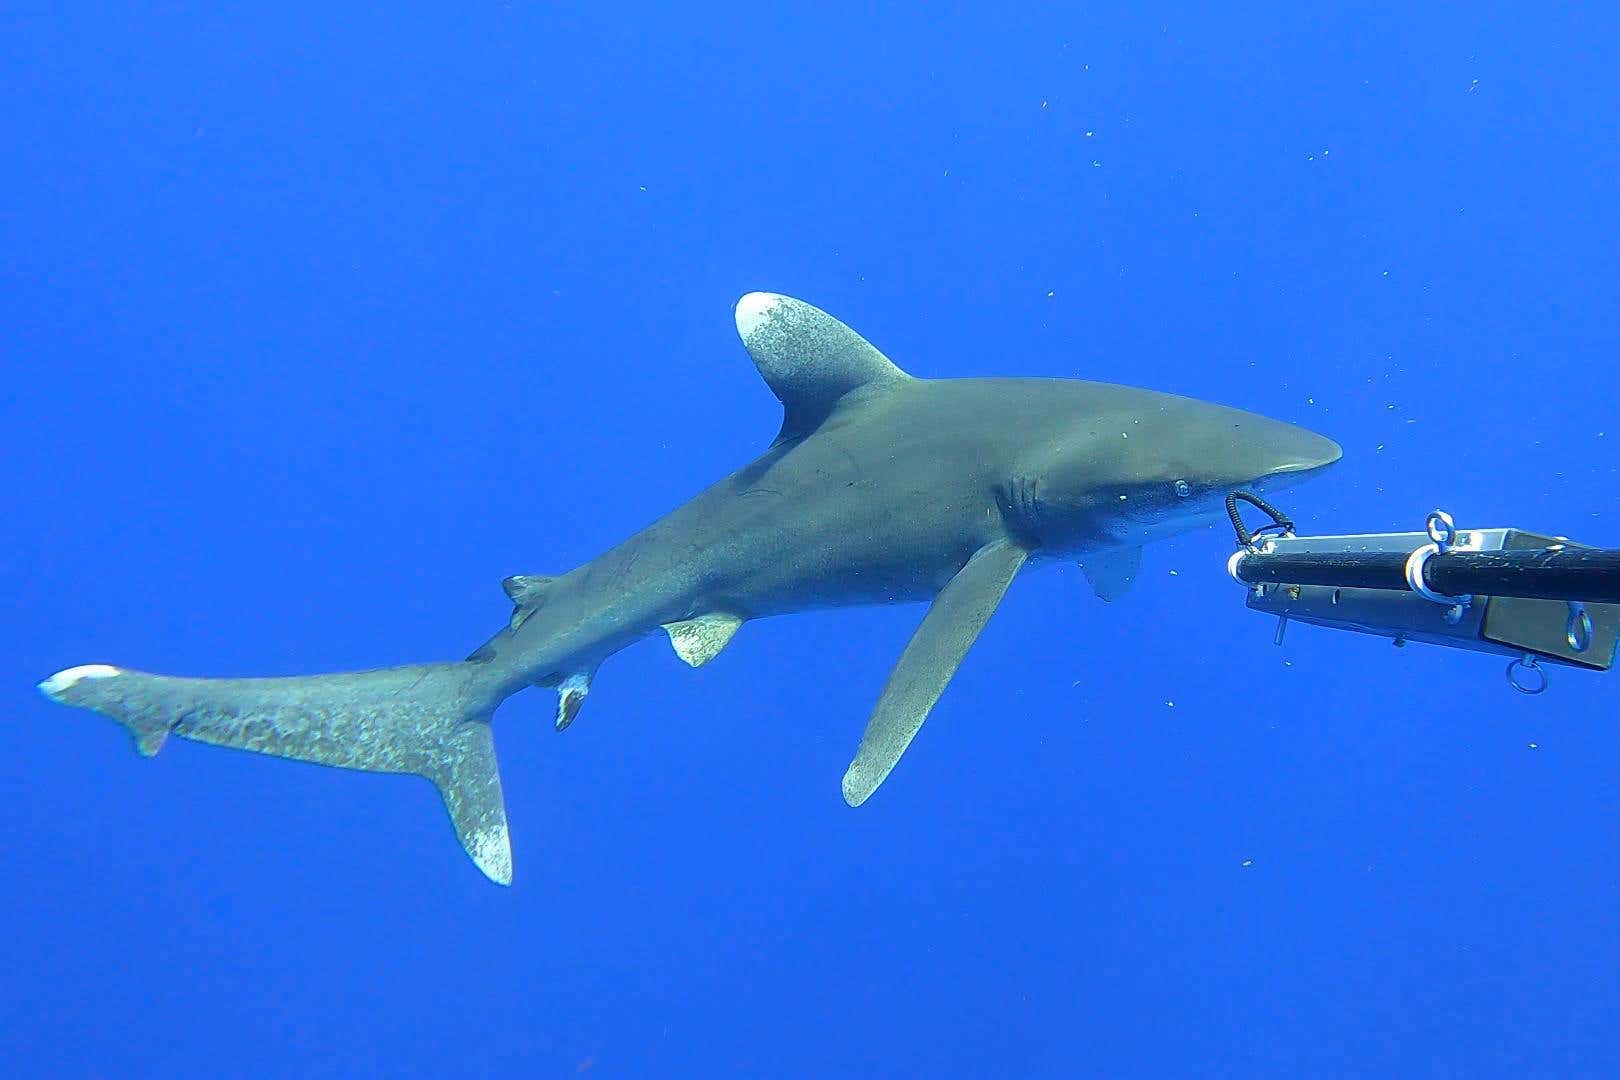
(1539, 599)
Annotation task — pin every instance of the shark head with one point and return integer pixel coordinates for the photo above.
(1135, 466)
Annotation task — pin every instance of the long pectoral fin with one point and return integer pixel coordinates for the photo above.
(935, 651)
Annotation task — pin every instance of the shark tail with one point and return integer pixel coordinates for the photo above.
(429, 720)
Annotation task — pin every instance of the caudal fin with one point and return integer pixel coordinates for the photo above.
(429, 720)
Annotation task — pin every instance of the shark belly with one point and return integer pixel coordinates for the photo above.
(846, 539)
(821, 535)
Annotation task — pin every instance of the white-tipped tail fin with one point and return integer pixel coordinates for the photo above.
(429, 720)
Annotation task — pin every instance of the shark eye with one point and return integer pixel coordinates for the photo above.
(1183, 489)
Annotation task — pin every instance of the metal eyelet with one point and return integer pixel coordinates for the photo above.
(1526, 675)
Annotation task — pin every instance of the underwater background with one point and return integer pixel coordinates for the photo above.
(319, 320)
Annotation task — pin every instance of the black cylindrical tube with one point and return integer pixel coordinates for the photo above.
(1587, 574)
(1346, 570)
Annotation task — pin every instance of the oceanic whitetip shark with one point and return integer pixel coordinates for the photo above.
(881, 488)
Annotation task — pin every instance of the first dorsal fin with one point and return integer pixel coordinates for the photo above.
(809, 359)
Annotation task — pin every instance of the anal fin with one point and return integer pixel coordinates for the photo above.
(571, 692)
(935, 651)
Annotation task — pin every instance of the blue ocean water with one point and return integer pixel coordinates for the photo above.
(321, 320)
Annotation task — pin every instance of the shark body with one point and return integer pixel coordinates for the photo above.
(880, 488)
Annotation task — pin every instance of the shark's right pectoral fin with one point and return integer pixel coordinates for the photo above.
(952, 624)
(1112, 570)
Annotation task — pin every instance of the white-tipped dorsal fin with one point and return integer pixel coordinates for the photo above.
(1112, 570)
(699, 640)
(809, 359)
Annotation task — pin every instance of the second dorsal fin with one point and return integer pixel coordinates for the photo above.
(527, 592)
(809, 359)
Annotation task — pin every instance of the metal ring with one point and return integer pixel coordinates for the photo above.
(1578, 627)
(1442, 529)
(1527, 663)
(1414, 576)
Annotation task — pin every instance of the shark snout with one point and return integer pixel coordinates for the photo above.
(1297, 454)
(1314, 452)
